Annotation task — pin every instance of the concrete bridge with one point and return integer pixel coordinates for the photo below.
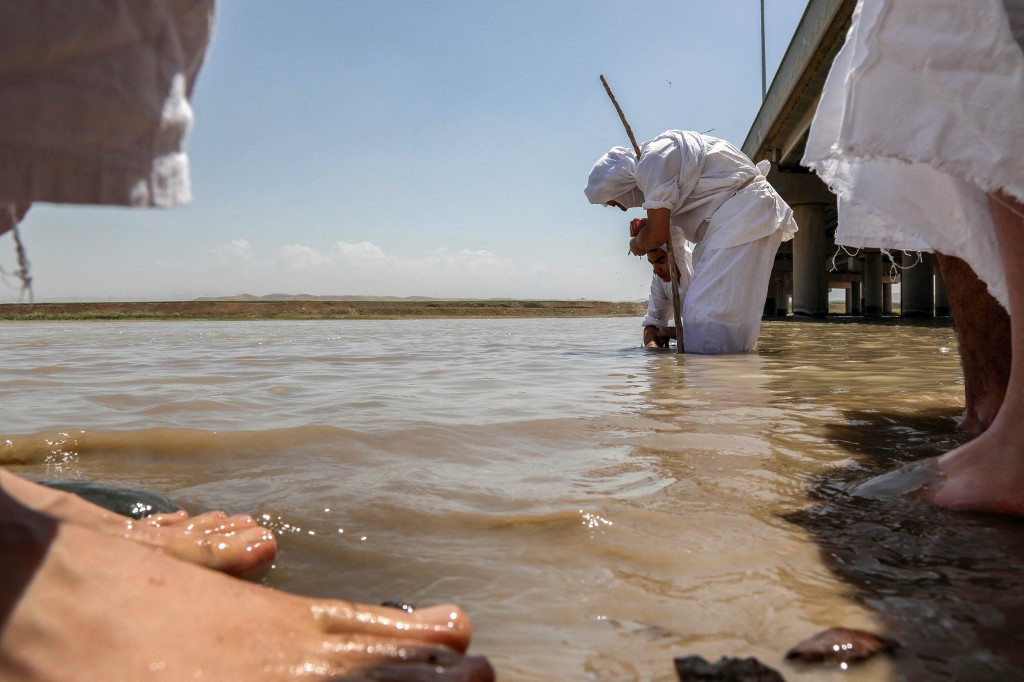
(809, 265)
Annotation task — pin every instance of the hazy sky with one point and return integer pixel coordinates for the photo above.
(412, 148)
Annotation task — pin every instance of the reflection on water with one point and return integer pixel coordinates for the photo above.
(596, 508)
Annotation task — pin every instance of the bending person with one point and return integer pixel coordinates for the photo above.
(920, 131)
(701, 189)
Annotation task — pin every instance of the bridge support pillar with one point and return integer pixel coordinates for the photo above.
(873, 284)
(855, 299)
(810, 249)
(886, 298)
(809, 197)
(917, 288)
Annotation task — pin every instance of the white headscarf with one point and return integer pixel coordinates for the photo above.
(634, 198)
(612, 177)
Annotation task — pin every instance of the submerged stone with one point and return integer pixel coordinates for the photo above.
(726, 669)
(137, 504)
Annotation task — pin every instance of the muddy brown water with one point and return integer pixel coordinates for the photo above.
(596, 508)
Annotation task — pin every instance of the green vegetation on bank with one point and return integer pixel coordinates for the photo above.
(309, 309)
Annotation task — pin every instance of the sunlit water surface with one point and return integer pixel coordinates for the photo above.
(596, 508)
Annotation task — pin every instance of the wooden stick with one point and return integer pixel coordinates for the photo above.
(622, 116)
(673, 272)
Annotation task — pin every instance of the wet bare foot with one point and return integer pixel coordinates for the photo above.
(985, 474)
(235, 544)
(80, 604)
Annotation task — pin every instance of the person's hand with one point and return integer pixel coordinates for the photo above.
(635, 225)
(635, 248)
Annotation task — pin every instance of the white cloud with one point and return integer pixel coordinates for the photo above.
(233, 251)
(360, 250)
(466, 261)
(240, 267)
(296, 257)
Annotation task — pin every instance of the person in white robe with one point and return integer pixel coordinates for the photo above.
(702, 189)
(659, 323)
(920, 132)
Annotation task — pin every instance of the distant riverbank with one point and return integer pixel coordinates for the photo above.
(308, 309)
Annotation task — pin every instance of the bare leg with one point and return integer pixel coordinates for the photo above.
(78, 604)
(983, 333)
(987, 474)
(234, 544)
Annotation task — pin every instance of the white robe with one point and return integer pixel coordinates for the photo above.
(920, 118)
(659, 305)
(719, 199)
(94, 101)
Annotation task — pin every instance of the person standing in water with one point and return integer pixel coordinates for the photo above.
(704, 190)
(659, 326)
(920, 132)
(94, 99)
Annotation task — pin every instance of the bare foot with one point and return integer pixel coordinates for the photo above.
(79, 604)
(985, 474)
(235, 544)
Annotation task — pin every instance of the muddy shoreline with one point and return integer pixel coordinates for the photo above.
(315, 309)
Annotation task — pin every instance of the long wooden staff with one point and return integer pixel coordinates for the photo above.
(673, 272)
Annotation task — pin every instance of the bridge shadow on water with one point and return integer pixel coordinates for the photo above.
(947, 586)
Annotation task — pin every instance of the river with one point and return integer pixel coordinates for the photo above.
(597, 509)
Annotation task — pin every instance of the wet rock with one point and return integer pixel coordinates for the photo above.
(137, 504)
(727, 669)
(840, 645)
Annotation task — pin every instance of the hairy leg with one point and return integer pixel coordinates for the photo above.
(79, 604)
(983, 334)
(235, 544)
(987, 474)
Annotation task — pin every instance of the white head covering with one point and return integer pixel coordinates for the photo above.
(613, 176)
(634, 198)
